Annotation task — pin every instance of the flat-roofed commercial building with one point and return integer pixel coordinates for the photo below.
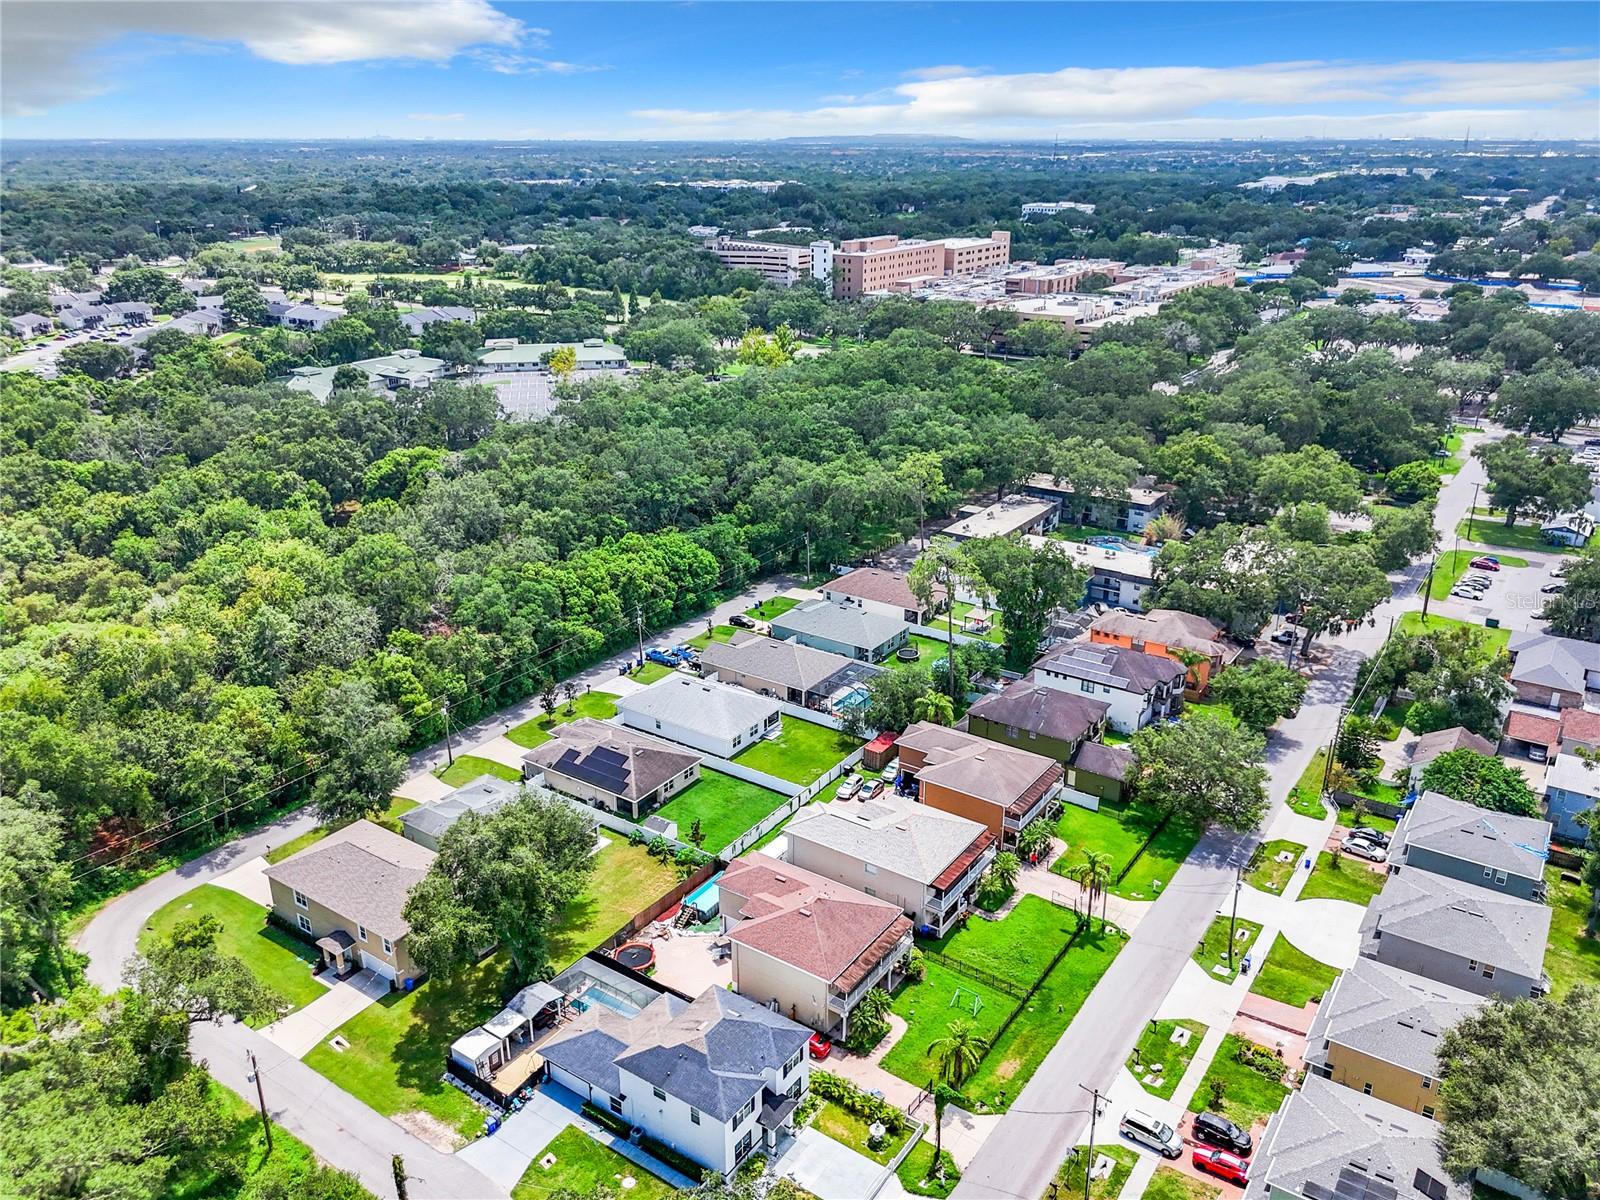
(773, 261)
(876, 264)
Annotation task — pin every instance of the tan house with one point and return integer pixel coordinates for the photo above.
(628, 773)
(809, 945)
(346, 894)
(1196, 642)
(1002, 788)
(1378, 1031)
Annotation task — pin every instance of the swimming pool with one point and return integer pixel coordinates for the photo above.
(597, 994)
(1116, 543)
(706, 898)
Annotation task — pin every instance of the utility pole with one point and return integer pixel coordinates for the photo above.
(1094, 1112)
(1427, 587)
(449, 746)
(1233, 917)
(266, 1125)
(638, 617)
(808, 554)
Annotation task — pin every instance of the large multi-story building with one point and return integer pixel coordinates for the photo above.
(773, 261)
(876, 264)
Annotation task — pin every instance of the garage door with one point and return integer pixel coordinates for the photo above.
(373, 963)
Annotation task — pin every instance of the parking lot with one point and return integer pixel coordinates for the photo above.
(1513, 596)
(528, 394)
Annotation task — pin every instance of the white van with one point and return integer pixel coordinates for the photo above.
(1140, 1126)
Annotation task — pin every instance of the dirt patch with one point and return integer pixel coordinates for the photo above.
(1008, 1068)
(431, 1130)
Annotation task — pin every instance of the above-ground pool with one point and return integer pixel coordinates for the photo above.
(706, 898)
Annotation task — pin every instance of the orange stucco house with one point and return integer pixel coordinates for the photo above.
(1171, 634)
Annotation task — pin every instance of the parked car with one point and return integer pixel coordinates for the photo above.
(851, 785)
(1553, 589)
(1222, 1164)
(1284, 637)
(1213, 1129)
(1362, 848)
(657, 655)
(871, 790)
(1139, 1126)
(740, 621)
(891, 768)
(685, 654)
(1486, 562)
(1538, 753)
(1465, 594)
(820, 1046)
(1368, 834)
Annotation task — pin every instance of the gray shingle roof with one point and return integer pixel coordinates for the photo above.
(787, 663)
(1326, 1130)
(845, 624)
(361, 872)
(1461, 919)
(1545, 660)
(1121, 668)
(485, 794)
(1047, 711)
(1388, 1014)
(892, 832)
(1100, 759)
(713, 708)
(1463, 831)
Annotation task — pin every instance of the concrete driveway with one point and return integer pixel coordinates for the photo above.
(249, 881)
(301, 1032)
(828, 1169)
(505, 1155)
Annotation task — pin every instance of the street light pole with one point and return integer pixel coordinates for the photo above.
(1233, 917)
(449, 744)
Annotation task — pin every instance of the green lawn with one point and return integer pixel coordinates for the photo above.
(1266, 871)
(926, 1008)
(650, 672)
(1082, 533)
(1347, 818)
(957, 613)
(1493, 531)
(625, 880)
(776, 606)
(1344, 878)
(1157, 1049)
(1305, 797)
(846, 1128)
(914, 1169)
(277, 959)
(1413, 623)
(1452, 565)
(725, 806)
(1168, 1184)
(584, 1167)
(1211, 708)
(1570, 956)
(1212, 952)
(598, 705)
(1291, 977)
(1119, 830)
(800, 753)
(932, 649)
(1070, 1177)
(1017, 948)
(468, 767)
(229, 1169)
(717, 633)
(1250, 1095)
(390, 820)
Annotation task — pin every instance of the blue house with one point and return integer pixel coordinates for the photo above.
(1570, 789)
(1478, 846)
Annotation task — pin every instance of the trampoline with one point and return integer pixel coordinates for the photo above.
(639, 956)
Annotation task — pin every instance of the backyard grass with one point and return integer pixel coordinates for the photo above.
(1414, 623)
(1452, 565)
(1157, 1049)
(915, 1168)
(1570, 956)
(1291, 977)
(278, 959)
(717, 633)
(1267, 872)
(802, 751)
(1250, 1094)
(598, 705)
(957, 612)
(1119, 830)
(1305, 797)
(1070, 1177)
(1347, 818)
(1212, 952)
(776, 606)
(926, 1007)
(1493, 531)
(931, 648)
(725, 807)
(468, 767)
(1211, 708)
(625, 880)
(390, 820)
(1342, 878)
(846, 1128)
(229, 1168)
(1170, 1184)
(1017, 948)
(584, 1167)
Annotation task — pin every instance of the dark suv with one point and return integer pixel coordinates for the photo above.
(1213, 1130)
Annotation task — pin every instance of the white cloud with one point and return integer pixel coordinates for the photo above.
(436, 116)
(509, 63)
(1520, 97)
(949, 71)
(51, 51)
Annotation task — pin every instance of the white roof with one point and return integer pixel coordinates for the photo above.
(712, 708)
(1009, 516)
(891, 832)
(1573, 774)
(473, 1045)
(1133, 564)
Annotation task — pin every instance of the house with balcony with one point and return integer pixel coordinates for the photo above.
(1197, 642)
(806, 945)
(1136, 688)
(1493, 850)
(927, 861)
(1002, 788)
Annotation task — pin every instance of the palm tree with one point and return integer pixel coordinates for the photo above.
(958, 1053)
(1094, 875)
(1034, 841)
(1005, 869)
(936, 708)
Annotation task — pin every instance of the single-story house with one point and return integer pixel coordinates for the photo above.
(1378, 1031)
(419, 319)
(885, 592)
(1033, 716)
(1536, 734)
(402, 369)
(844, 629)
(1493, 850)
(1129, 512)
(1442, 741)
(1580, 727)
(1458, 933)
(505, 354)
(703, 714)
(807, 945)
(346, 894)
(1555, 672)
(1571, 790)
(305, 317)
(428, 823)
(1098, 771)
(1136, 687)
(717, 1079)
(31, 325)
(927, 861)
(628, 773)
(1014, 515)
(790, 671)
(1328, 1142)
(1568, 529)
(1003, 788)
(1171, 634)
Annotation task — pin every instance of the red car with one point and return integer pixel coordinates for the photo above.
(1222, 1164)
(1486, 564)
(821, 1047)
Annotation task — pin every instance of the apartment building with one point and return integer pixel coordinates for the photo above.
(875, 264)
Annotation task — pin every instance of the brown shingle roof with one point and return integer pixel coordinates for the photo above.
(1442, 741)
(1047, 711)
(977, 767)
(1580, 725)
(1533, 729)
(362, 873)
(870, 583)
(1168, 626)
(616, 760)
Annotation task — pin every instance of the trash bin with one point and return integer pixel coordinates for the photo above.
(1491, 622)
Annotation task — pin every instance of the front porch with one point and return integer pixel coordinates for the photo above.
(339, 954)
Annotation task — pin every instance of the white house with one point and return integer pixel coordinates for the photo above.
(1137, 687)
(708, 716)
(1568, 529)
(1119, 578)
(716, 1079)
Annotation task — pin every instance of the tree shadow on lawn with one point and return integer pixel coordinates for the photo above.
(439, 1017)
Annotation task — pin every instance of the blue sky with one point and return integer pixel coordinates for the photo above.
(476, 69)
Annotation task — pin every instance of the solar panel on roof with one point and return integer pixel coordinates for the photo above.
(1353, 1184)
(601, 766)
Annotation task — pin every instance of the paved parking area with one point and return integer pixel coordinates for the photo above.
(533, 393)
(828, 1169)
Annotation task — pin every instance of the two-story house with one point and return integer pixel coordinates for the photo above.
(1458, 934)
(1136, 688)
(717, 1079)
(1474, 845)
(1378, 1029)
(1571, 791)
(808, 945)
(1032, 716)
(1196, 642)
(927, 861)
(999, 786)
